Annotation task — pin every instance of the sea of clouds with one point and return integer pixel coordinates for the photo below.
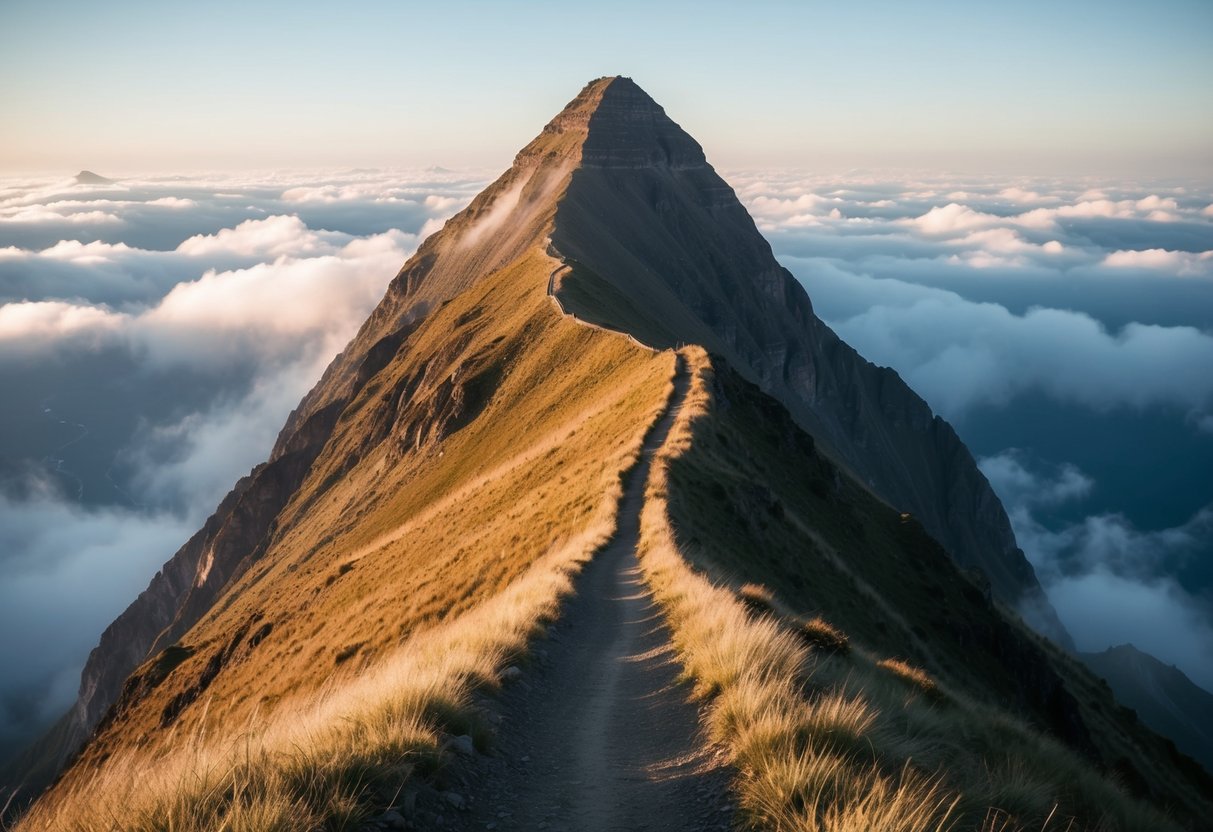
(156, 332)
(1066, 329)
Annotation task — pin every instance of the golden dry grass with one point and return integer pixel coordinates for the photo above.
(826, 738)
(389, 593)
(318, 760)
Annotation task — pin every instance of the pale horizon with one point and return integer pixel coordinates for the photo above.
(1089, 89)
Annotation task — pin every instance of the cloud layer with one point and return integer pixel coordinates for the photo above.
(154, 340)
(1026, 303)
(155, 333)
(1111, 582)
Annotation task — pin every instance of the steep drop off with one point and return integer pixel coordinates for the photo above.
(645, 213)
(1163, 697)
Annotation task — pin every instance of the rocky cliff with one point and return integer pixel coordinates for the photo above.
(646, 213)
(1164, 698)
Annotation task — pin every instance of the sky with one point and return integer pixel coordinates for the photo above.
(1011, 207)
(1089, 85)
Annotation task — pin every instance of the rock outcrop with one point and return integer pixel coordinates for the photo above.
(87, 177)
(646, 213)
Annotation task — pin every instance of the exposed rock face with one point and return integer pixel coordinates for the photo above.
(1165, 699)
(645, 212)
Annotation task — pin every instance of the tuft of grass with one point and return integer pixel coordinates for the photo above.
(795, 754)
(820, 634)
(825, 737)
(914, 677)
(758, 599)
(327, 759)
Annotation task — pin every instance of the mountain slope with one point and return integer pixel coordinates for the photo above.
(645, 213)
(426, 504)
(493, 445)
(910, 665)
(1163, 697)
(651, 219)
(499, 226)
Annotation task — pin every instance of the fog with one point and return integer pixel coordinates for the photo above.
(155, 333)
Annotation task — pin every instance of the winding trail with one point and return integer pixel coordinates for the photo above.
(598, 734)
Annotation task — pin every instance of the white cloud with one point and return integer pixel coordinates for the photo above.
(270, 237)
(48, 320)
(172, 202)
(196, 460)
(442, 204)
(1017, 194)
(1102, 609)
(325, 296)
(774, 208)
(1017, 485)
(39, 214)
(951, 218)
(68, 572)
(1109, 581)
(958, 354)
(1182, 263)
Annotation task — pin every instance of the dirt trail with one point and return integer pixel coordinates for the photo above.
(598, 734)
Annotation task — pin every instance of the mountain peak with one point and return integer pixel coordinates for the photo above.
(613, 123)
(87, 177)
(628, 129)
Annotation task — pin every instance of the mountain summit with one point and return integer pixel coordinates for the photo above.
(629, 201)
(647, 215)
(592, 457)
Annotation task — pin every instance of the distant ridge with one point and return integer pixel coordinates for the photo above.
(1164, 697)
(87, 177)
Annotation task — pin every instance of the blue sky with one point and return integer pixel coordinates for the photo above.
(1031, 87)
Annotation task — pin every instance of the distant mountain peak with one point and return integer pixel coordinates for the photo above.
(1162, 695)
(87, 177)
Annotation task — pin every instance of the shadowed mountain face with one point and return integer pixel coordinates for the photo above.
(621, 194)
(645, 213)
(1165, 699)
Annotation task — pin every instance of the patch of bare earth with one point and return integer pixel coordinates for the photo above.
(598, 733)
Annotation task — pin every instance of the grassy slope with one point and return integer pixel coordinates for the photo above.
(437, 526)
(589, 297)
(863, 737)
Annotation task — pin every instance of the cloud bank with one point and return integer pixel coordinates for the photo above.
(154, 337)
(1041, 304)
(156, 332)
(1111, 582)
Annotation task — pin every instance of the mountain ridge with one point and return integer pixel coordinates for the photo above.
(446, 352)
(866, 416)
(548, 195)
(1162, 695)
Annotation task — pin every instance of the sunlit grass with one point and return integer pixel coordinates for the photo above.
(828, 737)
(429, 578)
